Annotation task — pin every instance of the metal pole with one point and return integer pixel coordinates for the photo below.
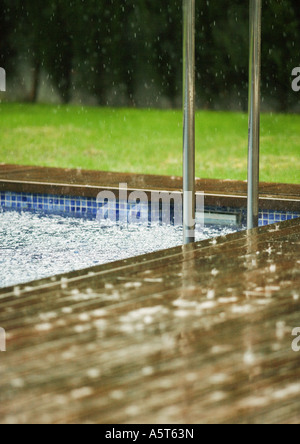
(189, 204)
(254, 113)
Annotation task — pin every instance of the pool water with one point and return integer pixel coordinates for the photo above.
(34, 246)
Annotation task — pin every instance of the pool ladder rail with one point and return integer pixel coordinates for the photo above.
(255, 13)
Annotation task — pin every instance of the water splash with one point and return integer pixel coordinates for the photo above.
(34, 246)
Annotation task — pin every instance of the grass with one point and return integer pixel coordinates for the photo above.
(146, 141)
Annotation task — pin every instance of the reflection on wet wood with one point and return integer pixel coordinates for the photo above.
(200, 334)
(89, 183)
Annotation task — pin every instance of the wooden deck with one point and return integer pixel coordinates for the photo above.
(231, 193)
(200, 334)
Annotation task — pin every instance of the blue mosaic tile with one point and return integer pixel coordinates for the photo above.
(89, 207)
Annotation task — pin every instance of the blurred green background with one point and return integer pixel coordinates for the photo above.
(106, 80)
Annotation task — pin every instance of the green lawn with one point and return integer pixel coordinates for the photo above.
(146, 141)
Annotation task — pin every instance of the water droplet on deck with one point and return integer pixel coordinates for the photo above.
(211, 294)
(249, 358)
(93, 373)
(81, 393)
(43, 327)
(148, 371)
(17, 383)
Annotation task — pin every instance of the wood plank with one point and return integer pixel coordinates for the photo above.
(200, 334)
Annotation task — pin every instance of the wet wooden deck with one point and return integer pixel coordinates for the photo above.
(80, 182)
(200, 334)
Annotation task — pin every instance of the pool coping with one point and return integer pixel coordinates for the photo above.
(88, 183)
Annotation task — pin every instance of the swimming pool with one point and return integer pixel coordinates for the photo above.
(43, 234)
(35, 246)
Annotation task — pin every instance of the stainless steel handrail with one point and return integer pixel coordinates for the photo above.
(254, 113)
(189, 121)
(189, 117)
